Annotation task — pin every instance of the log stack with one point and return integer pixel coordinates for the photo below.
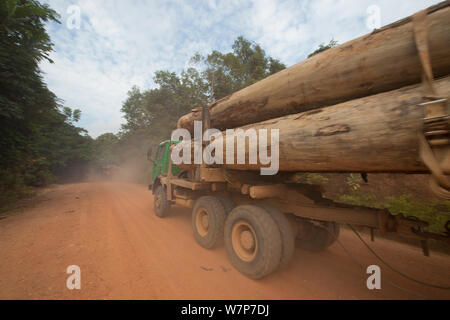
(372, 134)
(352, 108)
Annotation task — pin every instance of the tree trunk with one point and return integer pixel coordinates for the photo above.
(384, 60)
(372, 134)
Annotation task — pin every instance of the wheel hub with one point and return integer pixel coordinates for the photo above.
(158, 201)
(202, 222)
(247, 240)
(244, 241)
(205, 221)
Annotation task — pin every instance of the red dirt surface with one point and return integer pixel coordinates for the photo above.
(126, 252)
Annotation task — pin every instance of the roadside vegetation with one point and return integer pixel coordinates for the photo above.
(39, 138)
(434, 211)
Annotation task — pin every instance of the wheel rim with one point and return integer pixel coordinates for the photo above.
(158, 201)
(202, 222)
(244, 241)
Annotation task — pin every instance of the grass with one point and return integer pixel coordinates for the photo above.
(311, 178)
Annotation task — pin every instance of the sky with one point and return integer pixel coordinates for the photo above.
(102, 48)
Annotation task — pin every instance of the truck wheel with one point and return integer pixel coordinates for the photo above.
(208, 220)
(253, 241)
(160, 204)
(227, 203)
(286, 232)
(317, 238)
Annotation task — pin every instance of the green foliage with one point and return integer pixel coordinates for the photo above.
(226, 73)
(353, 181)
(315, 178)
(324, 47)
(154, 113)
(22, 25)
(23, 43)
(12, 188)
(106, 149)
(311, 178)
(356, 199)
(436, 213)
(38, 140)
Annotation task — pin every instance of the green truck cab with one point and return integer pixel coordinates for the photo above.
(160, 159)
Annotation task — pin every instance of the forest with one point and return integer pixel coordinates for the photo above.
(39, 140)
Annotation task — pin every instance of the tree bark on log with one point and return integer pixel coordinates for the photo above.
(384, 60)
(371, 134)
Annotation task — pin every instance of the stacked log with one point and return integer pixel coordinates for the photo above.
(382, 61)
(378, 133)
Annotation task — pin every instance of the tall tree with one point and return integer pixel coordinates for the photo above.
(153, 114)
(38, 138)
(106, 149)
(229, 72)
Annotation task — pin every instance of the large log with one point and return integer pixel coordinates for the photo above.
(371, 134)
(384, 60)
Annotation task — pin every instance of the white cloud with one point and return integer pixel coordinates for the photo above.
(122, 43)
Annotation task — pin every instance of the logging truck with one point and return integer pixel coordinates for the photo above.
(358, 108)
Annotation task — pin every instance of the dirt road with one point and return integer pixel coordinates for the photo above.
(125, 251)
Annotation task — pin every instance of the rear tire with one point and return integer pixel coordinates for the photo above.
(160, 204)
(317, 238)
(286, 232)
(253, 241)
(208, 220)
(227, 203)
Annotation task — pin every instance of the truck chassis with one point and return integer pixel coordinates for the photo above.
(262, 222)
